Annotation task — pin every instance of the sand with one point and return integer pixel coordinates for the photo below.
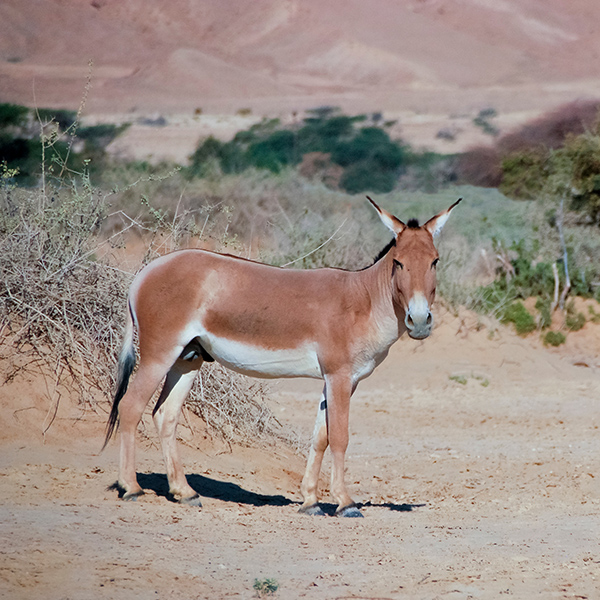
(476, 462)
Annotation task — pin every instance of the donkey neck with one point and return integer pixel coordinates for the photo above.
(377, 281)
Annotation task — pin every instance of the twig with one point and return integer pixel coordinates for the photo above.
(556, 288)
(318, 247)
(567, 288)
(58, 394)
(91, 252)
(86, 91)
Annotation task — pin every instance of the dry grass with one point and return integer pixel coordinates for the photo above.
(273, 218)
(482, 166)
(61, 310)
(62, 304)
(234, 407)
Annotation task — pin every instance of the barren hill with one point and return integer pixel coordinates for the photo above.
(285, 55)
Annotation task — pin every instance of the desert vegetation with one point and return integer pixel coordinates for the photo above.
(289, 196)
(554, 156)
(62, 297)
(553, 164)
(350, 153)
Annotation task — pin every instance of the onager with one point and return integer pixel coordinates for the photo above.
(195, 306)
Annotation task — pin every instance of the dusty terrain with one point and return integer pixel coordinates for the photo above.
(476, 461)
(481, 489)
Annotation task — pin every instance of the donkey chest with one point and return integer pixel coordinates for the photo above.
(372, 350)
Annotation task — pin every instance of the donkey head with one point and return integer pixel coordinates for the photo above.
(414, 268)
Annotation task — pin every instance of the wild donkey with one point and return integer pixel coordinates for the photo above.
(194, 306)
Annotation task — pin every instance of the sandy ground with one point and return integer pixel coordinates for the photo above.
(476, 461)
(479, 489)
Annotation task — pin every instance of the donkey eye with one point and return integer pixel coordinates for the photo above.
(434, 263)
(398, 264)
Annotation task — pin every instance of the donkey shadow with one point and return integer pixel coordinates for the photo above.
(225, 491)
(212, 488)
(329, 509)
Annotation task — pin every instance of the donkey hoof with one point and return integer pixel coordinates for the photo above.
(314, 510)
(191, 501)
(350, 511)
(132, 496)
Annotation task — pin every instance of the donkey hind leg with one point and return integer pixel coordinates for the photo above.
(315, 458)
(166, 417)
(131, 409)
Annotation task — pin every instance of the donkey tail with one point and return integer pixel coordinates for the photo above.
(126, 365)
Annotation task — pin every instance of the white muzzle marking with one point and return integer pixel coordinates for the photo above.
(418, 320)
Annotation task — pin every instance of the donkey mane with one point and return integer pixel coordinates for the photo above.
(383, 252)
(411, 224)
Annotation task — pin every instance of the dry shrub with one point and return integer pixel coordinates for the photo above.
(285, 219)
(482, 166)
(61, 309)
(273, 218)
(234, 407)
(62, 304)
(552, 129)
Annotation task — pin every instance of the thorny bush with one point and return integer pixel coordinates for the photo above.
(62, 304)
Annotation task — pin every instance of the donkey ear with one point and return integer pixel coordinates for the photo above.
(394, 224)
(435, 224)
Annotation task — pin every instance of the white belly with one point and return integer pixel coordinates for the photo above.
(262, 362)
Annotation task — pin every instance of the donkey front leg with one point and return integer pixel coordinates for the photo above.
(318, 446)
(166, 417)
(339, 391)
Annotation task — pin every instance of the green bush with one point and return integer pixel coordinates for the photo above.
(523, 174)
(321, 134)
(369, 143)
(570, 171)
(532, 277)
(13, 115)
(526, 275)
(274, 152)
(522, 319)
(371, 159)
(364, 176)
(542, 305)
(265, 587)
(229, 156)
(482, 120)
(574, 321)
(554, 338)
(580, 161)
(101, 135)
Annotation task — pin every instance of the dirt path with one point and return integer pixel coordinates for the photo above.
(476, 461)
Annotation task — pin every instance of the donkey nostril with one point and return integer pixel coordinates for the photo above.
(409, 322)
(429, 319)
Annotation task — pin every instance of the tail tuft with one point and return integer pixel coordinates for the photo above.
(125, 369)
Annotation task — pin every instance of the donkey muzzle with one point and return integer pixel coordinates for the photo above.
(418, 319)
